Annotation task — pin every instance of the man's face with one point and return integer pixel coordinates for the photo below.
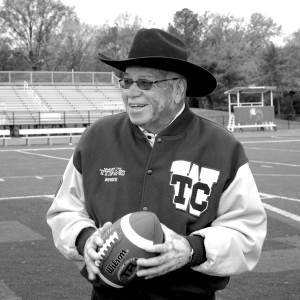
(151, 109)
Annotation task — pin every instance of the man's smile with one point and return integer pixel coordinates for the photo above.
(137, 105)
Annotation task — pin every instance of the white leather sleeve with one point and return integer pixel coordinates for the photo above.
(67, 215)
(234, 241)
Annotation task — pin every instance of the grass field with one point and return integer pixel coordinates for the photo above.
(31, 267)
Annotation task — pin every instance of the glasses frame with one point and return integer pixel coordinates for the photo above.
(138, 82)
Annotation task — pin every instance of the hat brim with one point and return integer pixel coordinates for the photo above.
(200, 81)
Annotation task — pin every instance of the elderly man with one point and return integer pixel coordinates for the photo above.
(192, 173)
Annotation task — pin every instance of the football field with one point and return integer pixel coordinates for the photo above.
(31, 267)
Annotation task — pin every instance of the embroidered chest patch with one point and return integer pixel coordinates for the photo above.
(112, 174)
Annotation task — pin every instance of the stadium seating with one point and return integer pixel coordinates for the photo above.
(79, 104)
(80, 98)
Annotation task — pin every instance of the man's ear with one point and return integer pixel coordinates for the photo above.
(180, 90)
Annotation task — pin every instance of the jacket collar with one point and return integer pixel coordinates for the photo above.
(178, 126)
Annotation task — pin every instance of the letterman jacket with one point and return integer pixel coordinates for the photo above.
(196, 178)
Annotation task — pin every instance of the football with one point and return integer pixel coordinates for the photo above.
(124, 243)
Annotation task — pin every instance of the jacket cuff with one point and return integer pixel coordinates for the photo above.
(197, 244)
(82, 237)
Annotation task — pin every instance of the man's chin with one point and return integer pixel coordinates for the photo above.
(137, 121)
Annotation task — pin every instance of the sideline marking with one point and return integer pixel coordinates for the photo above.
(273, 149)
(43, 155)
(281, 175)
(282, 212)
(27, 197)
(36, 149)
(269, 196)
(274, 163)
(274, 141)
(28, 176)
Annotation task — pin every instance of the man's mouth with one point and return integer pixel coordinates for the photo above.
(137, 105)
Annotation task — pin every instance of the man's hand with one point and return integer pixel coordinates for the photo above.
(174, 254)
(90, 247)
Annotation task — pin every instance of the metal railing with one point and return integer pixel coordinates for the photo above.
(25, 119)
(35, 98)
(57, 78)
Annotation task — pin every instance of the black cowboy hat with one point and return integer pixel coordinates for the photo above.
(155, 48)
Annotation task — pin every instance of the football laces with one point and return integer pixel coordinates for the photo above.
(112, 239)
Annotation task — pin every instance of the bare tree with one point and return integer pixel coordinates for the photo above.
(30, 23)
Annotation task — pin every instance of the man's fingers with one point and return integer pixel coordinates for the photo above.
(96, 239)
(92, 271)
(159, 248)
(92, 254)
(153, 261)
(91, 246)
(90, 250)
(156, 270)
(105, 227)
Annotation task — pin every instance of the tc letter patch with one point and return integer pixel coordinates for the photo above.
(192, 186)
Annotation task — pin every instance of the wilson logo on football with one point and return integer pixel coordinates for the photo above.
(115, 262)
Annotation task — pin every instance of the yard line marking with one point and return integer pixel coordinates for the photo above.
(1, 179)
(273, 149)
(27, 197)
(29, 176)
(265, 196)
(274, 163)
(277, 175)
(282, 212)
(43, 155)
(39, 177)
(268, 196)
(36, 149)
(47, 149)
(273, 141)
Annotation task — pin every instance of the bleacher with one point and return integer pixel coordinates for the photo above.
(16, 100)
(77, 104)
(80, 98)
(54, 105)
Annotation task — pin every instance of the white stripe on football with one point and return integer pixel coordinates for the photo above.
(131, 234)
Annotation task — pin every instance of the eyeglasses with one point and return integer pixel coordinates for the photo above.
(143, 84)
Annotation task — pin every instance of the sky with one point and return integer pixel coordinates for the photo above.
(158, 13)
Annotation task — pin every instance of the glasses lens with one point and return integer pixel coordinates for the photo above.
(144, 84)
(126, 83)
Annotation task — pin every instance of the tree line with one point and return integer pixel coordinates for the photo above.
(46, 35)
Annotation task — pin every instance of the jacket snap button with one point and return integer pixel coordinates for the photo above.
(159, 140)
(149, 172)
(145, 208)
